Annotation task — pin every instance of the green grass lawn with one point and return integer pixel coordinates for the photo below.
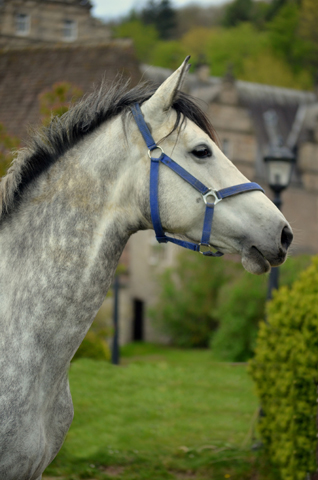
(163, 414)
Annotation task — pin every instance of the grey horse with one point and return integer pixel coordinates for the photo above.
(68, 205)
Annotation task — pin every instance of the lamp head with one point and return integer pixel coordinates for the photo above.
(280, 162)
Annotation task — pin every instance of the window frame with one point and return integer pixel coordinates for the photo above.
(22, 20)
(69, 30)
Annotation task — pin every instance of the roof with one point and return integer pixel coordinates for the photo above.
(256, 97)
(27, 72)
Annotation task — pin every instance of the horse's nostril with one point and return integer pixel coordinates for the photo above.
(287, 237)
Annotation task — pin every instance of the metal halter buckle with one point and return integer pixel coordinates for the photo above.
(211, 193)
(157, 147)
(208, 248)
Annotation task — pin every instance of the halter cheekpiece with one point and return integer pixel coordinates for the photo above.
(210, 196)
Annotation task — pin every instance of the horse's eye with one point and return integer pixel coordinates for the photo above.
(202, 151)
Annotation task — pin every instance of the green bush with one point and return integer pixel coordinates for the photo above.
(205, 300)
(93, 346)
(189, 294)
(285, 370)
(241, 306)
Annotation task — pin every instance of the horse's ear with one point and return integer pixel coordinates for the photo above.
(163, 98)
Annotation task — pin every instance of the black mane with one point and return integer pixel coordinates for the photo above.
(49, 143)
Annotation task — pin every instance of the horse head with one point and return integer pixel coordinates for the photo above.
(245, 222)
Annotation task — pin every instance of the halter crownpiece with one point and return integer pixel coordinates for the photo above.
(204, 246)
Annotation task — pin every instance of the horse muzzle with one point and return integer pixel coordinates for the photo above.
(259, 259)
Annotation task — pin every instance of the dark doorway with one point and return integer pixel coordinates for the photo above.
(138, 322)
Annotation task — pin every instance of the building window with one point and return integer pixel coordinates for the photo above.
(22, 24)
(226, 147)
(69, 30)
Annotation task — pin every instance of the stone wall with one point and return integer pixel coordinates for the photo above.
(46, 23)
(234, 129)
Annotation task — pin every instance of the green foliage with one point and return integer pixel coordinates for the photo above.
(93, 346)
(200, 294)
(286, 376)
(160, 14)
(285, 39)
(195, 41)
(57, 100)
(233, 46)
(8, 143)
(308, 31)
(260, 13)
(188, 298)
(145, 37)
(237, 12)
(194, 15)
(272, 70)
(241, 307)
(274, 7)
(168, 54)
(248, 50)
(274, 43)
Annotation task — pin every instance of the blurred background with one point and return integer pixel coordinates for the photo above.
(255, 74)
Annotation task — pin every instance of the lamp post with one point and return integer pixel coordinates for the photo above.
(279, 162)
(115, 349)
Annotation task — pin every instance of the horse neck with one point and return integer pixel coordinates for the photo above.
(60, 249)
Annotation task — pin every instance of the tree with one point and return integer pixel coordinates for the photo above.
(234, 45)
(145, 37)
(162, 16)
(275, 6)
(195, 16)
(196, 41)
(168, 54)
(271, 69)
(237, 12)
(308, 31)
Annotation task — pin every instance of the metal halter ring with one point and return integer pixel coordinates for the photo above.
(211, 193)
(150, 152)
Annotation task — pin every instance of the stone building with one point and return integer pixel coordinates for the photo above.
(34, 22)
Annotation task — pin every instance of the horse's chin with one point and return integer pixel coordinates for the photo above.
(254, 262)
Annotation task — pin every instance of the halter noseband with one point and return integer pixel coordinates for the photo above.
(206, 192)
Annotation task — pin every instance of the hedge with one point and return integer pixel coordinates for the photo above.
(93, 347)
(285, 369)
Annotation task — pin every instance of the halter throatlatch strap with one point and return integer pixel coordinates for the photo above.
(207, 193)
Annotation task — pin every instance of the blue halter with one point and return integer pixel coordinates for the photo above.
(204, 246)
